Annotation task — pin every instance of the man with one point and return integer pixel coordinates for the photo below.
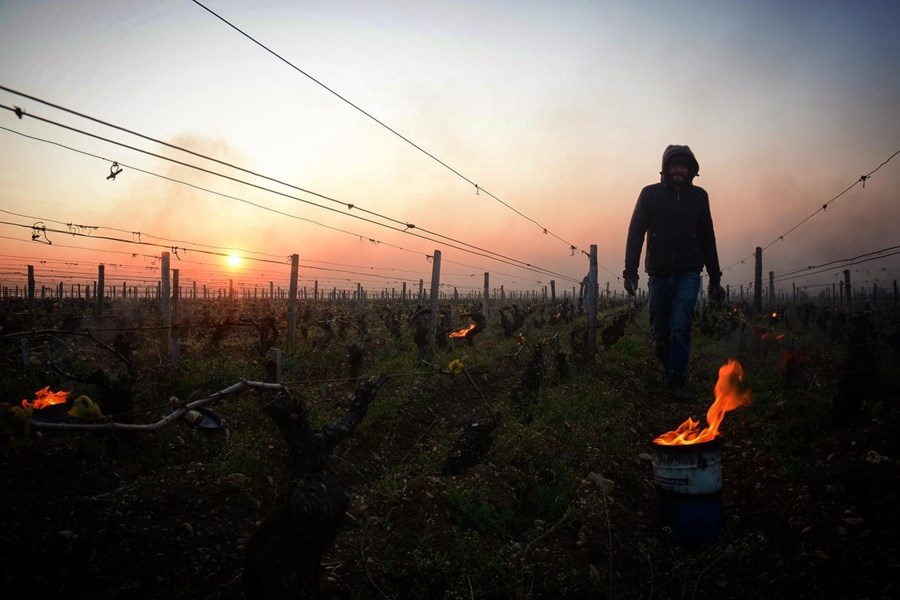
(674, 216)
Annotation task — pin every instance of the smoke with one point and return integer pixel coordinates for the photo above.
(165, 206)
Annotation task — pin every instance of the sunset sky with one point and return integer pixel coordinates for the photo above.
(559, 112)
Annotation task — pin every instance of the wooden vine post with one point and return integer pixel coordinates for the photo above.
(101, 283)
(435, 290)
(757, 283)
(485, 306)
(592, 303)
(32, 303)
(175, 351)
(895, 299)
(847, 288)
(292, 300)
(166, 333)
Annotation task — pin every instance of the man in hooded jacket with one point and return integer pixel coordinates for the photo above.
(674, 216)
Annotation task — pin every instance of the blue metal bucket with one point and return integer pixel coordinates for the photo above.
(688, 480)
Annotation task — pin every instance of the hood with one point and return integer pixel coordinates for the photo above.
(673, 150)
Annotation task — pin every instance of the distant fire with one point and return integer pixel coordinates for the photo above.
(728, 398)
(462, 332)
(44, 398)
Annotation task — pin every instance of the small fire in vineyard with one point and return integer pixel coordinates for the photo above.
(44, 397)
(462, 332)
(728, 398)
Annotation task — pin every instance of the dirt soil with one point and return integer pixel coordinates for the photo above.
(99, 516)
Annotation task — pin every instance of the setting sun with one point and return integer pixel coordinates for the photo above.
(234, 260)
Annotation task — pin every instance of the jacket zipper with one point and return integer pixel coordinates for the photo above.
(677, 220)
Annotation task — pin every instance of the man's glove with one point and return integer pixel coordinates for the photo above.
(631, 284)
(716, 293)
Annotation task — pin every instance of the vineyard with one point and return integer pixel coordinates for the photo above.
(351, 301)
(502, 459)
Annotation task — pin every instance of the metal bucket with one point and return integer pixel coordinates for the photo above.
(688, 480)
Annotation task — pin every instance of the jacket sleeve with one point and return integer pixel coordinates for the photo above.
(637, 229)
(708, 244)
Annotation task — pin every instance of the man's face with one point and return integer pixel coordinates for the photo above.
(678, 171)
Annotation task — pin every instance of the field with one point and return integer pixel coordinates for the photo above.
(523, 470)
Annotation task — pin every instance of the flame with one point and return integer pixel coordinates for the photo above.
(462, 332)
(44, 398)
(728, 398)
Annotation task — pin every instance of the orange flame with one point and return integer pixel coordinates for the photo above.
(44, 398)
(462, 332)
(728, 398)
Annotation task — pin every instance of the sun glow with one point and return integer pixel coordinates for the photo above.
(234, 260)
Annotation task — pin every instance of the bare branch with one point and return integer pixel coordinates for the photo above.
(154, 427)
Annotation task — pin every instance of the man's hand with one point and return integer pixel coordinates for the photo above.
(717, 294)
(631, 284)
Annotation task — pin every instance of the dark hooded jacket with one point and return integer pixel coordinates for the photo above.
(677, 224)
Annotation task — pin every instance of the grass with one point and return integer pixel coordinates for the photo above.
(530, 518)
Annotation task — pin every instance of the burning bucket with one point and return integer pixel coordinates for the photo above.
(688, 481)
(48, 406)
(687, 468)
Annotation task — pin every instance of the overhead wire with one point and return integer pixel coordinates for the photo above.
(131, 241)
(840, 260)
(122, 272)
(856, 282)
(201, 188)
(75, 226)
(478, 188)
(44, 229)
(196, 154)
(305, 266)
(349, 206)
(472, 249)
(193, 275)
(831, 266)
(862, 179)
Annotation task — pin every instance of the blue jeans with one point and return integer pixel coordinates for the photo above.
(672, 302)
